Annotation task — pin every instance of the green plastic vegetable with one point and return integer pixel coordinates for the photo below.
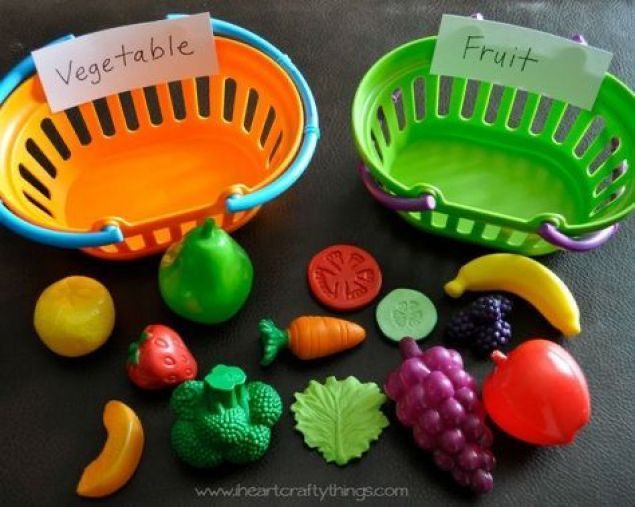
(223, 418)
(340, 417)
(206, 277)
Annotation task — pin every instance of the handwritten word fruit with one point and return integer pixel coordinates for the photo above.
(344, 277)
(309, 337)
(223, 418)
(526, 278)
(206, 277)
(438, 399)
(120, 456)
(538, 394)
(74, 316)
(159, 359)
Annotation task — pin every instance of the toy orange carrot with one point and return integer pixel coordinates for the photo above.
(309, 337)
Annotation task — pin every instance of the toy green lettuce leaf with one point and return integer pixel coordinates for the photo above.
(340, 417)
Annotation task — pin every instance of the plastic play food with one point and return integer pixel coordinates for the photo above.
(74, 316)
(344, 277)
(482, 325)
(223, 418)
(159, 359)
(538, 394)
(207, 277)
(526, 278)
(437, 398)
(340, 417)
(121, 454)
(406, 312)
(309, 337)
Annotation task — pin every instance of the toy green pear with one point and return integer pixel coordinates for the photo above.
(207, 276)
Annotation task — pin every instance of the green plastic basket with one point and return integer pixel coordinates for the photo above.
(519, 172)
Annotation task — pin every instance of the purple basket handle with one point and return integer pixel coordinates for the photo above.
(550, 233)
(424, 202)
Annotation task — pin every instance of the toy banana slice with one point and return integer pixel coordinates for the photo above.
(527, 279)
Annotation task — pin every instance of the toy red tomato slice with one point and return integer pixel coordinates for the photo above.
(344, 277)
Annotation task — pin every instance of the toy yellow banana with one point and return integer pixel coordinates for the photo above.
(526, 278)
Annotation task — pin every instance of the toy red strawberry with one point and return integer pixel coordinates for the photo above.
(159, 359)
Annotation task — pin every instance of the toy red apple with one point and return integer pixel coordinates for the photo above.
(537, 394)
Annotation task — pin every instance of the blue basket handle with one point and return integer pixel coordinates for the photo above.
(245, 202)
(108, 235)
(549, 232)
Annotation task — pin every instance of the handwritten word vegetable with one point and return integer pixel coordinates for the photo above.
(340, 418)
(526, 278)
(120, 456)
(159, 359)
(74, 316)
(223, 418)
(309, 337)
(538, 394)
(437, 398)
(123, 57)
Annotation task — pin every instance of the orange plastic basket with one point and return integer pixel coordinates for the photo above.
(146, 166)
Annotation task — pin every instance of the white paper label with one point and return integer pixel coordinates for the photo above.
(520, 57)
(119, 59)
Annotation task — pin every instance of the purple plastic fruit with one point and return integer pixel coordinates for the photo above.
(437, 399)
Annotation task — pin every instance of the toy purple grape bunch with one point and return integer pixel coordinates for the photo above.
(437, 398)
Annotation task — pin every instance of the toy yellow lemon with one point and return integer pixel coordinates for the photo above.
(74, 316)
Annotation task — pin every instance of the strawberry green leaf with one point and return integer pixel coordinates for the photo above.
(340, 417)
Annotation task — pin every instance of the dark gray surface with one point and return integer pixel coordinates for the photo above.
(51, 408)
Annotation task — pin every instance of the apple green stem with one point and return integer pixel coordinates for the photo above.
(207, 227)
(273, 340)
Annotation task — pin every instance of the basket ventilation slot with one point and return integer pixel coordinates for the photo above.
(230, 98)
(518, 107)
(592, 132)
(129, 113)
(38, 204)
(494, 104)
(397, 99)
(266, 129)
(540, 116)
(53, 135)
(566, 123)
(202, 96)
(445, 94)
(469, 100)
(103, 115)
(612, 199)
(418, 93)
(30, 178)
(79, 126)
(177, 99)
(250, 109)
(35, 151)
(383, 124)
(152, 103)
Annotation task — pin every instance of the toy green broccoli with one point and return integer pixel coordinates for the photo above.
(221, 418)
